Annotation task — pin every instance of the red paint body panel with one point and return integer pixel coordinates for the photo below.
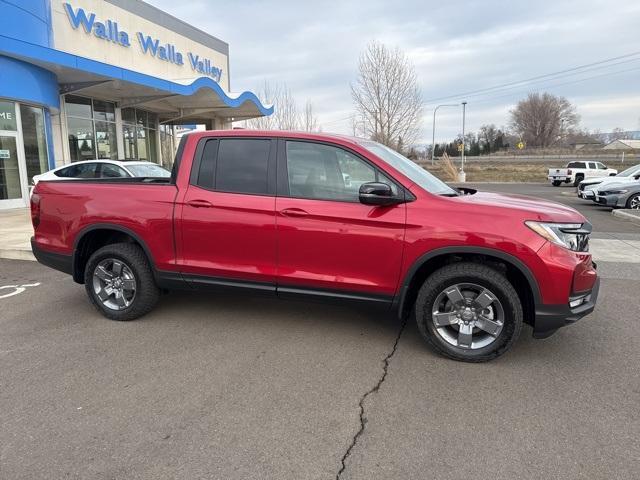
(317, 244)
(338, 245)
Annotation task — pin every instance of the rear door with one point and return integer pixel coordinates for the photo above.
(328, 242)
(227, 214)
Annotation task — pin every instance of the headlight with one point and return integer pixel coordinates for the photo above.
(574, 236)
(613, 192)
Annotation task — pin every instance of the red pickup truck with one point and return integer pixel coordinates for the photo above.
(328, 217)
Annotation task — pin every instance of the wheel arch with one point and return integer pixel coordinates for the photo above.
(96, 236)
(516, 271)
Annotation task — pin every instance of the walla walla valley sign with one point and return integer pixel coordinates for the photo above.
(109, 31)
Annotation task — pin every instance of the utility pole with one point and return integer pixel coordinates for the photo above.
(464, 146)
(433, 134)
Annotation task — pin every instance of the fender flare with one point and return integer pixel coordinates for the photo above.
(108, 226)
(510, 259)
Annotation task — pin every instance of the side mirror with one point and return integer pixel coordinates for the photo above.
(380, 194)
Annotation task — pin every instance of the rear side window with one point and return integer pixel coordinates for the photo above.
(79, 170)
(112, 171)
(235, 165)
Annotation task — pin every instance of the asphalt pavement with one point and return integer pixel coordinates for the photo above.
(225, 386)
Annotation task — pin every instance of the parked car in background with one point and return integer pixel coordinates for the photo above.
(104, 169)
(575, 172)
(273, 212)
(619, 195)
(586, 188)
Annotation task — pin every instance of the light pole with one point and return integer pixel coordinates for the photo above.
(433, 134)
(464, 109)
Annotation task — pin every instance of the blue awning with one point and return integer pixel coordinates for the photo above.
(202, 99)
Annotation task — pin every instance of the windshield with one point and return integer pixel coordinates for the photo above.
(629, 171)
(411, 169)
(150, 170)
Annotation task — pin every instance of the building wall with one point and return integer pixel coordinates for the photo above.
(70, 35)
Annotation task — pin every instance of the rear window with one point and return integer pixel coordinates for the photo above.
(150, 170)
(576, 165)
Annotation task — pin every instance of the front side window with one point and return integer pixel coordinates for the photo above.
(325, 172)
(600, 166)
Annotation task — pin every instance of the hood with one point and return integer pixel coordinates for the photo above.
(531, 208)
(616, 181)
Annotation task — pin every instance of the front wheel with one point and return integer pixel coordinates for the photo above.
(120, 283)
(469, 312)
(634, 202)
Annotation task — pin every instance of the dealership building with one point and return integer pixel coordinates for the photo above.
(109, 79)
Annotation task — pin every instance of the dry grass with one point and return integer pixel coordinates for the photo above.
(449, 170)
(479, 171)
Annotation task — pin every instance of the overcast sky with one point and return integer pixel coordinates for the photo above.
(456, 47)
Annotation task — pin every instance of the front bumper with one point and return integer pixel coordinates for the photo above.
(618, 200)
(586, 194)
(550, 318)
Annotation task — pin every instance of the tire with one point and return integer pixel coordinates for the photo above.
(138, 292)
(634, 201)
(556, 183)
(577, 180)
(505, 308)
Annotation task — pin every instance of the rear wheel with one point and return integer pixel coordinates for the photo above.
(577, 180)
(556, 183)
(634, 202)
(469, 312)
(120, 283)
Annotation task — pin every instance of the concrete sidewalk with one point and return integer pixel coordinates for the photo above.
(15, 234)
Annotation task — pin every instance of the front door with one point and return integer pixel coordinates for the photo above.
(227, 215)
(12, 184)
(329, 242)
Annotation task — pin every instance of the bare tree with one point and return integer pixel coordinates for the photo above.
(617, 134)
(309, 120)
(286, 115)
(487, 137)
(387, 96)
(541, 120)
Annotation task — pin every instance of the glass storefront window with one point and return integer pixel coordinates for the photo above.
(8, 116)
(104, 111)
(167, 145)
(139, 131)
(106, 140)
(92, 128)
(35, 140)
(81, 139)
(78, 106)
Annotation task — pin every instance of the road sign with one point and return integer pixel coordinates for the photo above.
(520, 145)
(460, 147)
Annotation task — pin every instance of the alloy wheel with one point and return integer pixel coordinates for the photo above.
(468, 316)
(635, 202)
(114, 284)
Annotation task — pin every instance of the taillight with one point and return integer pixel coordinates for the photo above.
(35, 210)
(569, 172)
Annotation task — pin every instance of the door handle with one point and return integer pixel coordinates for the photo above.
(293, 212)
(199, 204)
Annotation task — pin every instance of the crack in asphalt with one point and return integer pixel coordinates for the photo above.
(376, 387)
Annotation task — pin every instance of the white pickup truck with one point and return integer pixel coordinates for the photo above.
(577, 171)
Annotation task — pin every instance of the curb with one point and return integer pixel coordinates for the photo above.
(16, 254)
(625, 215)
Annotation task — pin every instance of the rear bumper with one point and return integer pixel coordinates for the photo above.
(550, 318)
(57, 261)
